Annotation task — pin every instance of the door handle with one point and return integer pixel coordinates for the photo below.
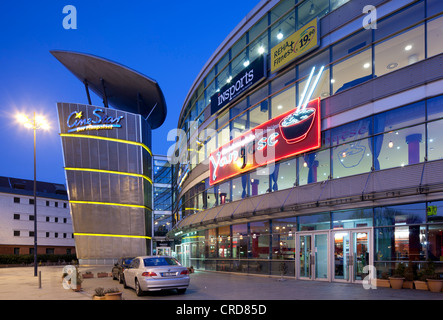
(312, 259)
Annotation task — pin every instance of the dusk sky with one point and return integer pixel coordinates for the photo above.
(168, 41)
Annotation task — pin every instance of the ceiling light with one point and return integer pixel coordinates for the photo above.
(390, 144)
(261, 50)
(366, 65)
(246, 63)
(408, 47)
(279, 35)
(280, 107)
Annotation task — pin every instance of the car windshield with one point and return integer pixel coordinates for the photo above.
(160, 261)
(127, 260)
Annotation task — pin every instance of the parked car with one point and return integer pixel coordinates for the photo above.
(153, 273)
(122, 264)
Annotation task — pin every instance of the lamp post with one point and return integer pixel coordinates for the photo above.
(37, 122)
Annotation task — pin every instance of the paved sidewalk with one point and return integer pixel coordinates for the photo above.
(20, 284)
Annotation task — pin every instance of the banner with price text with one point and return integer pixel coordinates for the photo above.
(299, 43)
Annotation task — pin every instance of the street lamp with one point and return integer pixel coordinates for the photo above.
(37, 122)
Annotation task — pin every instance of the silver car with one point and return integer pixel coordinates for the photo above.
(153, 273)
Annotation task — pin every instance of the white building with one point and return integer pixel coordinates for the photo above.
(54, 224)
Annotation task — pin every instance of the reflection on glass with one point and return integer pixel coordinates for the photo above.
(435, 36)
(352, 158)
(305, 256)
(352, 71)
(341, 255)
(360, 254)
(314, 167)
(321, 256)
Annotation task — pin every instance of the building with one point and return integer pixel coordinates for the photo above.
(54, 224)
(162, 204)
(108, 158)
(262, 188)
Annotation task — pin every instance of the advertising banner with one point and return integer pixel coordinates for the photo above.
(296, 45)
(294, 132)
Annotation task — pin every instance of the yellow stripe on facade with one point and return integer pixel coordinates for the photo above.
(110, 204)
(110, 235)
(112, 172)
(106, 139)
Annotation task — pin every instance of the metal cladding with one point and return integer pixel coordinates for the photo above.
(123, 88)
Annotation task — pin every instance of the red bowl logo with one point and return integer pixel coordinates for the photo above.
(296, 126)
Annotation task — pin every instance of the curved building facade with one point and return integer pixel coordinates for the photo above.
(309, 143)
(108, 159)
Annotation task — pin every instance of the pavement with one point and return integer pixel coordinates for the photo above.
(19, 283)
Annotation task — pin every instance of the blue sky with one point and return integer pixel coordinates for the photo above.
(168, 41)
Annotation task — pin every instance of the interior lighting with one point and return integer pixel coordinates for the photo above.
(366, 65)
(390, 144)
(279, 35)
(261, 50)
(246, 63)
(408, 47)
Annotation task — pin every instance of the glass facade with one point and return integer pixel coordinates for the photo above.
(404, 135)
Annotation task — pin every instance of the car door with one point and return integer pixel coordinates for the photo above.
(131, 273)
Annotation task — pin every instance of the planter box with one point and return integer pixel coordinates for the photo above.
(382, 283)
(396, 283)
(102, 274)
(113, 296)
(421, 285)
(435, 285)
(408, 284)
(88, 276)
(98, 298)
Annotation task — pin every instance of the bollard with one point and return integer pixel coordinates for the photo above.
(39, 279)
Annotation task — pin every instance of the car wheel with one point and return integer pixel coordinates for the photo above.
(138, 289)
(124, 282)
(181, 291)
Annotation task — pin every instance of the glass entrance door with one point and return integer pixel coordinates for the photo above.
(313, 256)
(351, 253)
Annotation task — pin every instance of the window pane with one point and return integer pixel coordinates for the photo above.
(400, 51)
(311, 9)
(435, 108)
(351, 44)
(399, 148)
(259, 180)
(352, 158)
(435, 140)
(398, 215)
(352, 71)
(314, 222)
(283, 28)
(435, 37)
(352, 131)
(259, 114)
(314, 167)
(224, 242)
(400, 118)
(434, 212)
(283, 102)
(349, 219)
(400, 243)
(435, 243)
(400, 20)
(240, 188)
(304, 70)
(287, 173)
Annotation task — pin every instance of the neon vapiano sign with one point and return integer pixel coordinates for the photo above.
(294, 132)
(78, 123)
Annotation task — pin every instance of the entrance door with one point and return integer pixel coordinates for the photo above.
(313, 256)
(351, 253)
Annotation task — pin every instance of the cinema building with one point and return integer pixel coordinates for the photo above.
(108, 158)
(316, 173)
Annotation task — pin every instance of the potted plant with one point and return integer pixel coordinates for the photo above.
(409, 277)
(435, 284)
(113, 294)
(88, 275)
(102, 274)
(396, 281)
(420, 281)
(99, 294)
(383, 281)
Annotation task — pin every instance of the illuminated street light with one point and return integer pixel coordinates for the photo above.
(37, 122)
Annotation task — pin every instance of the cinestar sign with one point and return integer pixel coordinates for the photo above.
(249, 77)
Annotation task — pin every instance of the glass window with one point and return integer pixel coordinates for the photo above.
(259, 114)
(349, 219)
(435, 108)
(400, 117)
(400, 51)
(259, 180)
(284, 225)
(400, 20)
(283, 102)
(224, 136)
(314, 167)
(224, 192)
(399, 148)
(224, 242)
(400, 215)
(311, 9)
(259, 239)
(304, 70)
(287, 174)
(211, 243)
(337, 3)
(239, 63)
(352, 158)
(283, 28)
(240, 187)
(349, 132)
(320, 221)
(352, 71)
(435, 140)
(435, 243)
(434, 212)
(160, 261)
(240, 241)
